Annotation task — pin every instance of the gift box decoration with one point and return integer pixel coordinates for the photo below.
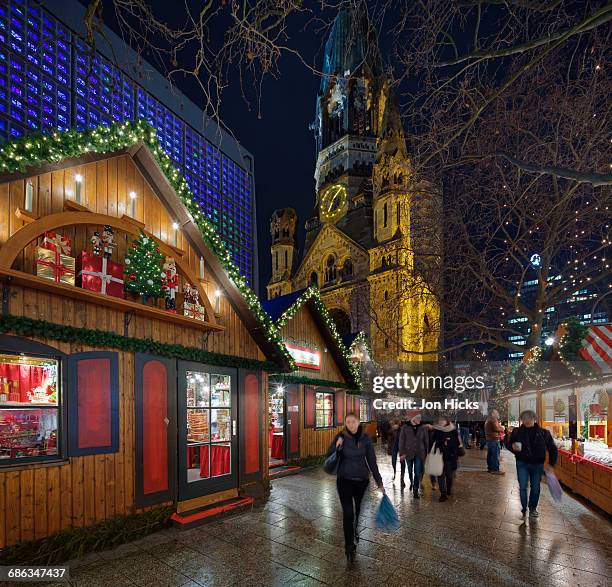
(55, 266)
(100, 274)
(56, 242)
(194, 311)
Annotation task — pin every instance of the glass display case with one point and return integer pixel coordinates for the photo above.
(324, 409)
(29, 407)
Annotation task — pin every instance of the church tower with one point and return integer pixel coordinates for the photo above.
(360, 244)
(283, 232)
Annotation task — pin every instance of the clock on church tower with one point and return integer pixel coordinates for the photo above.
(334, 203)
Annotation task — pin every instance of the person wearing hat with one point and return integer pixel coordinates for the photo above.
(413, 448)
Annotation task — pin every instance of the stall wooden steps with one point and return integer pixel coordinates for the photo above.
(200, 516)
(278, 471)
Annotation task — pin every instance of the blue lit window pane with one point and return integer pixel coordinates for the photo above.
(169, 127)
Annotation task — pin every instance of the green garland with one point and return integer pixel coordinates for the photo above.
(23, 326)
(75, 542)
(569, 347)
(287, 379)
(33, 150)
(312, 292)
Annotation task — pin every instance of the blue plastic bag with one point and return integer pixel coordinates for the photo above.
(386, 516)
(553, 485)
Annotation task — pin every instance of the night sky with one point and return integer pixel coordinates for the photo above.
(278, 136)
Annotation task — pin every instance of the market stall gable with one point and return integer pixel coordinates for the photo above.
(324, 386)
(91, 369)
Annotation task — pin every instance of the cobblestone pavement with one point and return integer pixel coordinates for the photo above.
(476, 538)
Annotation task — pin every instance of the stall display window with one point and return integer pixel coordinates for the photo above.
(209, 425)
(324, 409)
(593, 414)
(364, 410)
(29, 408)
(556, 413)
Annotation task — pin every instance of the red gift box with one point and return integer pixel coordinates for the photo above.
(100, 274)
(194, 311)
(54, 241)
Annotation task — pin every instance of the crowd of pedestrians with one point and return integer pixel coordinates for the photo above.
(413, 441)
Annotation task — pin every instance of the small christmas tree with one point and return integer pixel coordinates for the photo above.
(143, 268)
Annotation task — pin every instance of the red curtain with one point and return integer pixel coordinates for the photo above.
(309, 406)
(27, 377)
(340, 407)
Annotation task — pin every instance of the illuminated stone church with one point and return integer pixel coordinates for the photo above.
(361, 246)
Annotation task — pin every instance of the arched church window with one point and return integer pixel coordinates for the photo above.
(384, 262)
(314, 279)
(276, 260)
(330, 269)
(385, 215)
(347, 270)
(386, 295)
(398, 213)
(286, 260)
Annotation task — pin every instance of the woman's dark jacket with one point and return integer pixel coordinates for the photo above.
(357, 458)
(446, 440)
(534, 445)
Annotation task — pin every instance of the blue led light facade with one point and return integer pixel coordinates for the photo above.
(35, 62)
(51, 79)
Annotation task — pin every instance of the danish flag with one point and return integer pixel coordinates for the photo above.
(597, 348)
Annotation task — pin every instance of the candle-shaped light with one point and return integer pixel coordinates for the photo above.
(78, 180)
(29, 196)
(133, 204)
(201, 267)
(218, 302)
(175, 228)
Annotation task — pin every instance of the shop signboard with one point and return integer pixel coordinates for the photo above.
(305, 357)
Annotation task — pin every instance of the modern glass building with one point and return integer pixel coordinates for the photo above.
(51, 79)
(584, 304)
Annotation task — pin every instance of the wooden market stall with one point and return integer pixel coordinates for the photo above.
(113, 401)
(572, 400)
(308, 406)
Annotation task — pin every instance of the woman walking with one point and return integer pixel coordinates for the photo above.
(393, 438)
(356, 461)
(447, 441)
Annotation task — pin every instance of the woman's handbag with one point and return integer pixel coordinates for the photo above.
(461, 451)
(434, 464)
(331, 463)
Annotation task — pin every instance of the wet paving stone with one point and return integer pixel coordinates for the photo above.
(295, 539)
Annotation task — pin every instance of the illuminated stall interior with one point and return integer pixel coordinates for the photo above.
(29, 409)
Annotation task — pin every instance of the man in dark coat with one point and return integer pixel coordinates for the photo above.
(529, 443)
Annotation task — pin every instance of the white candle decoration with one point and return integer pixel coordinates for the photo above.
(175, 228)
(218, 302)
(29, 196)
(201, 267)
(133, 204)
(78, 180)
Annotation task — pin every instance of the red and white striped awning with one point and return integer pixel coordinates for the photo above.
(597, 348)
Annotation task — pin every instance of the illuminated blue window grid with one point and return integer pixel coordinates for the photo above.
(102, 93)
(169, 127)
(35, 64)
